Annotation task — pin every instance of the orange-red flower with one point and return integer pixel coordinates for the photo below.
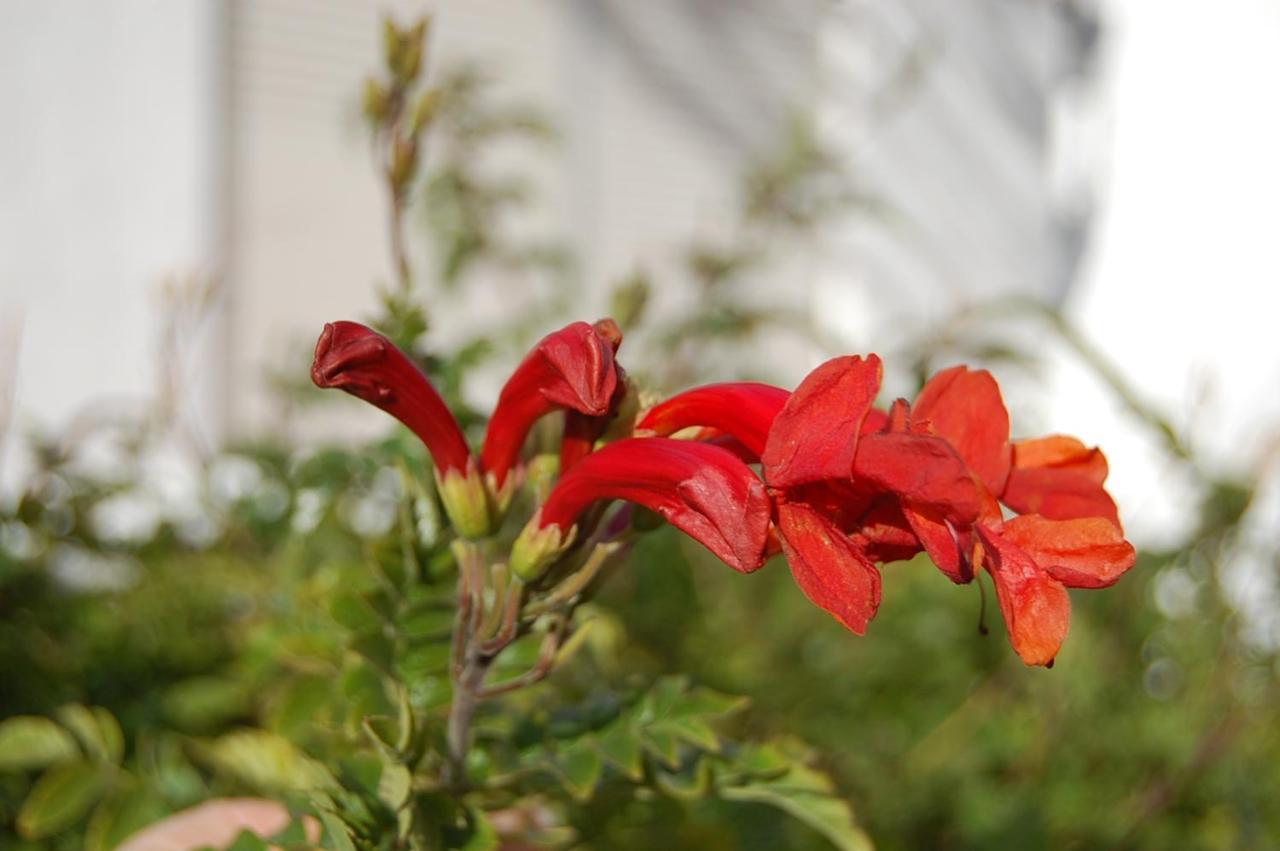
(853, 486)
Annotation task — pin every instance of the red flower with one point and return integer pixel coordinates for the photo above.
(806, 443)
(571, 369)
(582, 430)
(367, 365)
(703, 490)
(1069, 535)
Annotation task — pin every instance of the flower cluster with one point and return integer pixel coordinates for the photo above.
(842, 487)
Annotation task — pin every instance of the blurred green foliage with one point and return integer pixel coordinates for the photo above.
(287, 634)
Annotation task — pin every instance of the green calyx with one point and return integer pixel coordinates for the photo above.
(539, 547)
(468, 503)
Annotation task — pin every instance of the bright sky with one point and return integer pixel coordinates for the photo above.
(1180, 286)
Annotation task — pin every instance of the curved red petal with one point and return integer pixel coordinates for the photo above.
(814, 436)
(570, 369)
(703, 490)
(1089, 552)
(965, 408)
(1036, 608)
(828, 567)
(925, 472)
(364, 363)
(1060, 452)
(1058, 495)
(743, 409)
(941, 542)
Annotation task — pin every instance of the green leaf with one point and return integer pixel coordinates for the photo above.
(29, 741)
(336, 832)
(395, 785)
(354, 612)
(97, 729)
(266, 761)
(695, 731)
(202, 704)
(705, 703)
(580, 766)
(777, 777)
(60, 798)
(619, 743)
(663, 745)
(247, 840)
(121, 814)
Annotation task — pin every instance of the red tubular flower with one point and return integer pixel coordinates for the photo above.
(745, 410)
(581, 431)
(570, 369)
(359, 360)
(703, 490)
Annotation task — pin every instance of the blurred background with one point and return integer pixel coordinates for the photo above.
(1080, 196)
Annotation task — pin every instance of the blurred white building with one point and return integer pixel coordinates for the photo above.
(173, 139)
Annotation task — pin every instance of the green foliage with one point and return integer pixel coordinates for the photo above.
(300, 645)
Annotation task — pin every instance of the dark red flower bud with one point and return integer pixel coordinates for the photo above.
(581, 431)
(571, 369)
(359, 360)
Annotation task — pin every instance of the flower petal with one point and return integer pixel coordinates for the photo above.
(743, 409)
(925, 472)
(815, 434)
(703, 490)
(581, 431)
(570, 369)
(828, 566)
(966, 409)
(1061, 452)
(1060, 478)
(359, 360)
(1036, 608)
(1089, 552)
(941, 542)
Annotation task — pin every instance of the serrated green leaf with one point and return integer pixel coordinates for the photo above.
(580, 766)
(800, 791)
(97, 729)
(620, 745)
(705, 703)
(30, 741)
(663, 745)
(694, 731)
(60, 798)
